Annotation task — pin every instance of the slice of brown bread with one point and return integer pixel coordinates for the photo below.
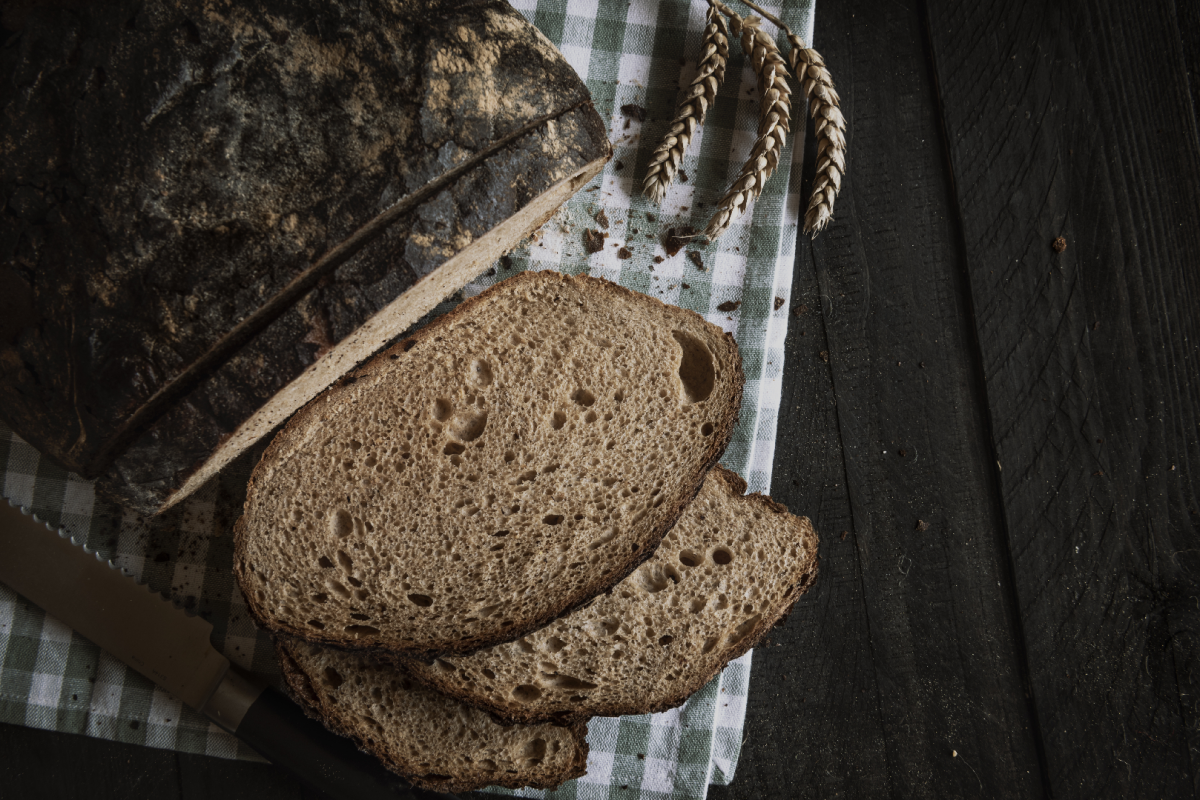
(435, 742)
(506, 464)
(733, 567)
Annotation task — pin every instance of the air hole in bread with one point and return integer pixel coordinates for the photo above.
(534, 752)
(557, 420)
(441, 409)
(324, 563)
(710, 644)
(698, 605)
(509, 456)
(487, 673)
(583, 398)
(344, 561)
(488, 765)
(525, 646)
(722, 556)
(619, 395)
(553, 519)
(706, 429)
(742, 631)
(697, 373)
(320, 597)
(570, 683)
(654, 577)
(500, 533)
(341, 523)
(422, 600)
(554, 644)
(362, 630)
(360, 617)
(481, 372)
(408, 345)
(445, 666)
(332, 678)
(526, 693)
(467, 426)
(316, 623)
(453, 449)
(722, 603)
(337, 588)
(665, 640)
(690, 558)
(590, 417)
(355, 582)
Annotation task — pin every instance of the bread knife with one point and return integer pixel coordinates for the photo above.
(149, 634)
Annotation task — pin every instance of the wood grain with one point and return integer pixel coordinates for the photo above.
(1075, 120)
(906, 652)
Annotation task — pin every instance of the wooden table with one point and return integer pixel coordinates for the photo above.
(999, 443)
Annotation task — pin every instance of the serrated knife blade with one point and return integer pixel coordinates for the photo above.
(136, 625)
(149, 634)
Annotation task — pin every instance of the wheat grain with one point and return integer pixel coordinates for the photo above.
(689, 114)
(828, 124)
(773, 126)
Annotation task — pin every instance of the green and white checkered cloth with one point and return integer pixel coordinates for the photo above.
(629, 53)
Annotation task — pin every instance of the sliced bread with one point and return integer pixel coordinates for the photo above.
(730, 569)
(435, 742)
(501, 467)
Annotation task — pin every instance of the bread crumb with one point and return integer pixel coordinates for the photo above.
(1059, 244)
(602, 218)
(729, 305)
(922, 525)
(824, 356)
(634, 111)
(624, 253)
(800, 309)
(696, 259)
(778, 303)
(593, 240)
(678, 238)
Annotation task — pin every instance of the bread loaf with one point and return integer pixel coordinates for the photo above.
(731, 568)
(506, 464)
(435, 742)
(214, 209)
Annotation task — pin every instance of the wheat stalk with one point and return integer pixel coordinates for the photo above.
(828, 124)
(689, 114)
(773, 121)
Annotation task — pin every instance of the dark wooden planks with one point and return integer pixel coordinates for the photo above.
(1076, 119)
(905, 653)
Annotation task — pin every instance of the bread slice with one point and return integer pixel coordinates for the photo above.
(504, 465)
(733, 567)
(435, 742)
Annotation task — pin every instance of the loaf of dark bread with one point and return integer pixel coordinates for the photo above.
(214, 209)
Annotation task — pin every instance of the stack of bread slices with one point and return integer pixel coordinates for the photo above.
(513, 521)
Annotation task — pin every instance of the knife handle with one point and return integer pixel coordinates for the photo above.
(281, 733)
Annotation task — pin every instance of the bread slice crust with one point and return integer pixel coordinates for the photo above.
(550, 679)
(298, 435)
(316, 699)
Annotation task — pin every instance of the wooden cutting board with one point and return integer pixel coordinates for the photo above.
(216, 209)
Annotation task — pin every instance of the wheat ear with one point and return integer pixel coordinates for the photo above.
(828, 124)
(773, 119)
(689, 114)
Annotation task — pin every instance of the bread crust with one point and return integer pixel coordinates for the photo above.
(696, 681)
(293, 433)
(302, 691)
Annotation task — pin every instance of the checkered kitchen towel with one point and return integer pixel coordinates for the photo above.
(631, 54)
